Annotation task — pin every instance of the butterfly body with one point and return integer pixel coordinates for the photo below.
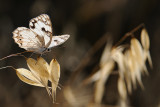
(38, 37)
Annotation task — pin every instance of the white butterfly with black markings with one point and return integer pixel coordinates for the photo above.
(38, 37)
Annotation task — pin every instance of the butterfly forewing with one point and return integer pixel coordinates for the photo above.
(27, 39)
(43, 27)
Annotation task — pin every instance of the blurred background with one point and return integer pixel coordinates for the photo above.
(86, 21)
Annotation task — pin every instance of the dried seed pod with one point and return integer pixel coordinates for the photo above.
(145, 39)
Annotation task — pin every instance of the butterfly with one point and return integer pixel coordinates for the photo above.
(38, 37)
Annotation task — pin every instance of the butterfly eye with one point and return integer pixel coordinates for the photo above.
(48, 50)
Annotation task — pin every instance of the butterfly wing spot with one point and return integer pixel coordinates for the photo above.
(32, 24)
(43, 29)
(57, 42)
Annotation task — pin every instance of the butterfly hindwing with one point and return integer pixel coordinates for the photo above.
(58, 40)
(42, 26)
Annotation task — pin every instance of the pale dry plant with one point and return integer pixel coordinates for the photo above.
(130, 59)
(76, 96)
(41, 74)
(75, 93)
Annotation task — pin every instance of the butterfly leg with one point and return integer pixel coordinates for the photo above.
(31, 55)
(38, 56)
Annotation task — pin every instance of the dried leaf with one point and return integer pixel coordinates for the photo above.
(106, 54)
(127, 76)
(122, 89)
(145, 39)
(136, 49)
(94, 77)
(118, 57)
(27, 77)
(149, 59)
(39, 69)
(138, 55)
(55, 75)
(69, 96)
(99, 87)
(135, 69)
(146, 44)
(54, 70)
(131, 66)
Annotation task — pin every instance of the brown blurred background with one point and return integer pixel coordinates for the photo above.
(86, 21)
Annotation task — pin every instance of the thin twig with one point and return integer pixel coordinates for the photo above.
(129, 34)
(17, 54)
(7, 67)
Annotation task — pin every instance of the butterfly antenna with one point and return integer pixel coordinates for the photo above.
(17, 54)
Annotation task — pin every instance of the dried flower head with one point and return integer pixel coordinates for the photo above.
(130, 60)
(40, 74)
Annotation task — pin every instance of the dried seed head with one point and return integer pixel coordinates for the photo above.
(40, 73)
